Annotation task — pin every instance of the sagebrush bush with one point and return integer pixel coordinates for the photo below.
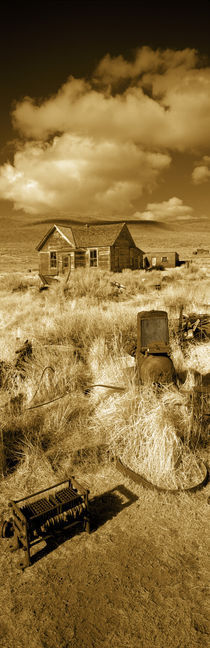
(18, 281)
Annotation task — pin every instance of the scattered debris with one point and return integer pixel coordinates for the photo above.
(118, 285)
(157, 286)
(202, 251)
(34, 520)
(45, 287)
(115, 387)
(194, 326)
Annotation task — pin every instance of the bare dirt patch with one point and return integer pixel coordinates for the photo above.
(139, 579)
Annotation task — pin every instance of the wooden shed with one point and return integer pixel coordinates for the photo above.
(164, 259)
(109, 247)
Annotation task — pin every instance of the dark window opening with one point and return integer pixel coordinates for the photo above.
(164, 259)
(93, 258)
(53, 260)
(80, 259)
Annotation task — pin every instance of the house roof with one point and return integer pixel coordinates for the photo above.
(94, 235)
(85, 236)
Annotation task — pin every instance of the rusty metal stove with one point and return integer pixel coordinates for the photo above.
(153, 361)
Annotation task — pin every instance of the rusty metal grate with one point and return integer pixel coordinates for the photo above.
(64, 498)
(36, 508)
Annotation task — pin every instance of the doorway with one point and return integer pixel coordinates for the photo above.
(66, 264)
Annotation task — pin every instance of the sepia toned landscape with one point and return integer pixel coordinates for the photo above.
(140, 577)
(104, 324)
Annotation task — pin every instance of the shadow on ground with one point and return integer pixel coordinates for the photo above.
(102, 508)
(106, 506)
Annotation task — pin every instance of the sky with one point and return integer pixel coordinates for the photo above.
(105, 111)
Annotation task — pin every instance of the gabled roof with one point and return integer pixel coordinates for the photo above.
(67, 235)
(83, 236)
(95, 235)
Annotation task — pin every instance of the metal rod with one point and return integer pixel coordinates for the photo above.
(41, 491)
(107, 386)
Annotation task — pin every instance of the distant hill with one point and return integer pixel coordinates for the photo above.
(21, 233)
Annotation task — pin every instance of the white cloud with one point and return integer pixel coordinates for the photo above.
(74, 174)
(95, 146)
(172, 209)
(111, 70)
(166, 103)
(201, 172)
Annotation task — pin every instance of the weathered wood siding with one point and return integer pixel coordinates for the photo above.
(104, 258)
(55, 243)
(124, 254)
(82, 258)
(164, 259)
(136, 259)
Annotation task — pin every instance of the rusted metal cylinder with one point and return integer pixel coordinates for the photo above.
(156, 369)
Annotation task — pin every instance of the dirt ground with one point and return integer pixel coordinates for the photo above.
(138, 580)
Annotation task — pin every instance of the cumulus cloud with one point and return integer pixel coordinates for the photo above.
(96, 145)
(201, 173)
(75, 174)
(172, 209)
(166, 102)
(111, 70)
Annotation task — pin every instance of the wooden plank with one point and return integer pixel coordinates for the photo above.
(104, 258)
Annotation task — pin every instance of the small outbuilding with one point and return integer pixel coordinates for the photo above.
(108, 247)
(202, 252)
(157, 259)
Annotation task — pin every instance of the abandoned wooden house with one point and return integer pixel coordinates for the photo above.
(108, 247)
(157, 259)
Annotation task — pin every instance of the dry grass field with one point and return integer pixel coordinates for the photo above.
(140, 577)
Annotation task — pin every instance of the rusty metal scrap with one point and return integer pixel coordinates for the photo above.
(34, 520)
(153, 362)
(194, 326)
(118, 285)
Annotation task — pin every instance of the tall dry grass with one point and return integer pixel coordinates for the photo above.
(84, 335)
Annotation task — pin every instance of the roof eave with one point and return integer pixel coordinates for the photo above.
(55, 227)
(44, 239)
(66, 237)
